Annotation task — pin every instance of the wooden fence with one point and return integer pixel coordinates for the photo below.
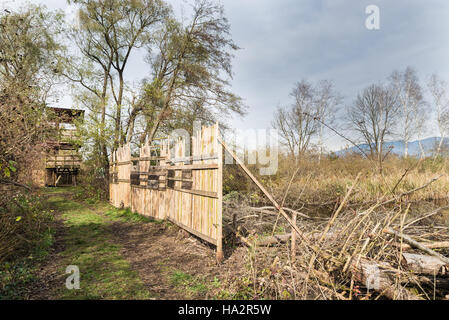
(183, 187)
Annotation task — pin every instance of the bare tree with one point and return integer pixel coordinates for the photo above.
(438, 89)
(373, 115)
(406, 86)
(327, 101)
(421, 121)
(296, 124)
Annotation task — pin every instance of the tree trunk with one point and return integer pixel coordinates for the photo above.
(439, 146)
(406, 149)
(421, 148)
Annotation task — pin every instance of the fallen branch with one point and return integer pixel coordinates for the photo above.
(17, 184)
(422, 264)
(426, 216)
(377, 205)
(265, 210)
(432, 245)
(417, 245)
(374, 277)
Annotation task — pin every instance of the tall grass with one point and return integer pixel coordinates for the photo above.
(327, 181)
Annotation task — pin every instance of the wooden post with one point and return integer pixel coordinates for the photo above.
(293, 245)
(220, 255)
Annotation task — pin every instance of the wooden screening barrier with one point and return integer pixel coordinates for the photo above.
(181, 187)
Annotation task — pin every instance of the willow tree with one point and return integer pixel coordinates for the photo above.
(191, 70)
(107, 33)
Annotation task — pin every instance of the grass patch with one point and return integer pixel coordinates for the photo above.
(60, 190)
(193, 286)
(104, 273)
(127, 215)
(19, 274)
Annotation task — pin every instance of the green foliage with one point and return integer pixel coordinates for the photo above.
(30, 48)
(194, 286)
(25, 239)
(128, 215)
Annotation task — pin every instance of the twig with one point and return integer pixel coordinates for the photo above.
(416, 244)
(15, 184)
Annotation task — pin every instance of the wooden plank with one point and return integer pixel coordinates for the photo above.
(206, 194)
(193, 231)
(147, 158)
(180, 179)
(194, 167)
(220, 255)
(151, 173)
(192, 158)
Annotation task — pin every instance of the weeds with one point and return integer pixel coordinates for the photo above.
(25, 239)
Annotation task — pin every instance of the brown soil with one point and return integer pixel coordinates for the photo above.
(155, 251)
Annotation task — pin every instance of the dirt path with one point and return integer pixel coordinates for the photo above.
(122, 255)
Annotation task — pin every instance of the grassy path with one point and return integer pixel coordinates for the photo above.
(122, 255)
(104, 273)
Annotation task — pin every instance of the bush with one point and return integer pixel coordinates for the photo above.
(25, 238)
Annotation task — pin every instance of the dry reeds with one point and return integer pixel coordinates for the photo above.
(357, 253)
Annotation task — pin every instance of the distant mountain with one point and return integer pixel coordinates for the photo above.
(398, 147)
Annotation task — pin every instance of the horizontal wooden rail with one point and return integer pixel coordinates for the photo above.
(148, 158)
(207, 194)
(171, 183)
(194, 167)
(120, 163)
(157, 188)
(193, 158)
(180, 179)
(196, 233)
(151, 173)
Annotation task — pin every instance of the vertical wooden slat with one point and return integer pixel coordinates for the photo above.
(197, 213)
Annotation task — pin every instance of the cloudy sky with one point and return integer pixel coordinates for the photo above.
(285, 41)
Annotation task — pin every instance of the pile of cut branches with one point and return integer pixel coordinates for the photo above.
(389, 250)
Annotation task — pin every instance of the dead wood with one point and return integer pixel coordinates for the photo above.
(431, 245)
(417, 245)
(423, 264)
(376, 278)
(268, 208)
